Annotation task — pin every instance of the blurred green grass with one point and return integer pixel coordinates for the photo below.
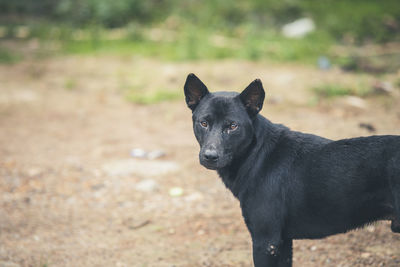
(191, 30)
(186, 43)
(8, 57)
(152, 97)
(187, 47)
(356, 20)
(332, 90)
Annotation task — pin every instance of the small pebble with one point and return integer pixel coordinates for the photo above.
(176, 191)
(196, 196)
(369, 127)
(365, 255)
(324, 63)
(147, 185)
(383, 87)
(356, 102)
(138, 153)
(142, 154)
(155, 154)
(201, 232)
(34, 172)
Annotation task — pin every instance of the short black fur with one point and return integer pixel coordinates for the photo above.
(292, 185)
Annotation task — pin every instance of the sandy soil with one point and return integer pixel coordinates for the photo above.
(71, 194)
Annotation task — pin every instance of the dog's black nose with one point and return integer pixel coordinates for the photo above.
(211, 155)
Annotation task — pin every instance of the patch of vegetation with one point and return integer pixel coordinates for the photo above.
(7, 56)
(152, 97)
(376, 64)
(397, 83)
(357, 20)
(205, 29)
(189, 43)
(335, 90)
(70, 84)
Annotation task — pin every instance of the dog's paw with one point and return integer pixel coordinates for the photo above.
(395, 226)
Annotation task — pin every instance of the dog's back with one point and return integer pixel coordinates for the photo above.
(342, 185)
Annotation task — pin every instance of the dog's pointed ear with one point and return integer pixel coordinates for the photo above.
(253, 97)
(195, 90)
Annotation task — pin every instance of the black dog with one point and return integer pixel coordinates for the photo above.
(292, 185)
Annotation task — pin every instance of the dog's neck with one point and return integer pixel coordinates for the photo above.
(265, 139)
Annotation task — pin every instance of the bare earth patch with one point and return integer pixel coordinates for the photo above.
(70, 191)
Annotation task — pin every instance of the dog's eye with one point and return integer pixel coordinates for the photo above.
(204, 124)
(233, 126)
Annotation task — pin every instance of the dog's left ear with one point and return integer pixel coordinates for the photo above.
(253, 97)
(195, 90)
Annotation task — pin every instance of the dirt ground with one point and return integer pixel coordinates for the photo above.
(72, 195)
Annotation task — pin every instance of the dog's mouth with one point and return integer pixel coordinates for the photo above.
(209, 165)
(214, 164)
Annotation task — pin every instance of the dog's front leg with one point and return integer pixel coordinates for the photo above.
(286, 253)
(272, 252)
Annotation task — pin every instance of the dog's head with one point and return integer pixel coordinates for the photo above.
(222, 121)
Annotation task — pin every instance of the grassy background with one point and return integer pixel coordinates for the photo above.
(191, 30)
(362, 36)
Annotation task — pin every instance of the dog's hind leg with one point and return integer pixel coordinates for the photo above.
(395, 226)
(394, 180)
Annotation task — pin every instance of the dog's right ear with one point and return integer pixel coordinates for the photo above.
(253, 97)
(195, 90)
